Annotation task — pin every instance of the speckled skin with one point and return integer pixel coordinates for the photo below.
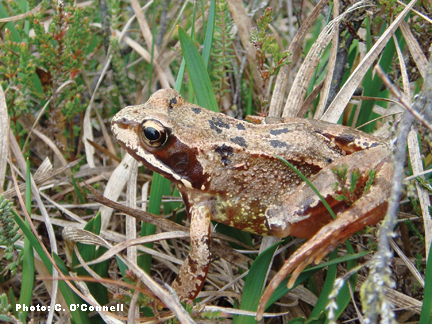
(229, 168)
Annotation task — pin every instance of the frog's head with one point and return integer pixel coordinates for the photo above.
(147, 133)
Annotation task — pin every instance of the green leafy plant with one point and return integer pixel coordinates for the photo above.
(222, 50)
(8, 236)
(348, 189)
(264, 44)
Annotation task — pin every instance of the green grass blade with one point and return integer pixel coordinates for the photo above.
(326, 289)
(150, 67)
(237, 234)
(180, 76)
(209, 33)
(28, 271)
(282, 289)
(254, 284)
(159, 186)
(344, 297)
(89, 253)
(69, 296)
(197, 72)
(78, 191)
(190, 89)
(426, 311)
(250, 93)
(13, 302)
(373, 89)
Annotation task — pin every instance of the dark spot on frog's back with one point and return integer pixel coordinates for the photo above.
(279, 131)
(240, 127)
(172, 102)
(239, 141)
(217, 123)
(196, 110)
(213, 126)
(278, 144)
(225, 152)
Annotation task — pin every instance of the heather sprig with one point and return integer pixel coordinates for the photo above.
(222, 65)
(9, 235)
(265, 45)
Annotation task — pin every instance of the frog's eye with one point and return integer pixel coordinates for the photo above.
(154, 133)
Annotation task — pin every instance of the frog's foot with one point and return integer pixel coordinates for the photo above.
(368, 210)
(193, 272)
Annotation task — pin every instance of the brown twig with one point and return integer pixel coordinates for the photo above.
(395, 91)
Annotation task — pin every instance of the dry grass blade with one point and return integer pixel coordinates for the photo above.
(343, 97)
(52, 146)
(112, 237)
(146, 56)
(139, 241)
(414, 48)
(115, 186)
(21, 16)
(109, 319)
(87, 123)
(4, 130)
(41, 179)
(331, 65)
(412, 268)
(295, 49)
(110, 151)
(306, 71)
(307, 104)
(423, 194)
(71, 234)
(226, 310)
(103, 150)
(415, 155)
(144, 27)
(131, 224)
(244, 25)
(64, 210)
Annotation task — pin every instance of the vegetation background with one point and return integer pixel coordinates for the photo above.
(66, 67)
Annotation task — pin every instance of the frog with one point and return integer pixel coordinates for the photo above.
(232, 171)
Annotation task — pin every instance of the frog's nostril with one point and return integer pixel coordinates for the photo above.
(122, 122)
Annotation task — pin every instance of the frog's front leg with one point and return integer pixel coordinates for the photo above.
(367, 210)
(193, 272)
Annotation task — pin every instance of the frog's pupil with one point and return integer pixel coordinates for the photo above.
(151, 133)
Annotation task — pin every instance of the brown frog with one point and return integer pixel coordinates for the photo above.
(228, 171)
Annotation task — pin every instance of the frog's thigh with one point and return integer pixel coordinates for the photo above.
(369, 209)
(193, 272)
(302, 214)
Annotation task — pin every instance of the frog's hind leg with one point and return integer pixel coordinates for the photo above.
(367, 210)
(193, 272)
